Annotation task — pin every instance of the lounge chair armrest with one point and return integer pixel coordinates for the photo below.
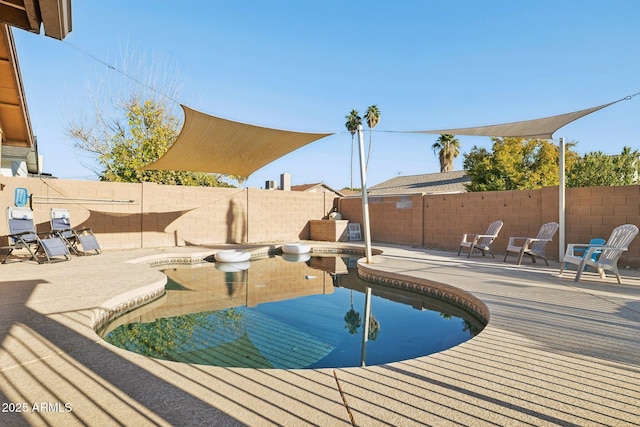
(22, 233)
(512, 240)
(581, 248)
(481, 236)
(533, 239)
(48, 233)
(80, 230)
(469, 238)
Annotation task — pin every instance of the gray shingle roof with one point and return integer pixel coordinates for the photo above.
(430, 183)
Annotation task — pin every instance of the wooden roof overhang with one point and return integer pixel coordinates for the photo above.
(15, 125)
(16, 134)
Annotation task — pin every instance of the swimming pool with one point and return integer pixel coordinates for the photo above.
(316, 313)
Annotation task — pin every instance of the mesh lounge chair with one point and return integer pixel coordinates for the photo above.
(482, 242)
(23, 235)
(610, 253)
(534, 247)
(61, 224)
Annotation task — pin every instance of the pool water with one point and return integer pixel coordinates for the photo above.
(289, 315)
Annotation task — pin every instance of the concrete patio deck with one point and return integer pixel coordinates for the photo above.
(555, 352)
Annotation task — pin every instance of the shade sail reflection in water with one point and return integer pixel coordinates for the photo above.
(274, 313)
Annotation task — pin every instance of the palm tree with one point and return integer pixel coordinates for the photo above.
(372, 116)
(352, 319)
(353, 121)
(447, 147)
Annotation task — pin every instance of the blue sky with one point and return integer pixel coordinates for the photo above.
(303, 65)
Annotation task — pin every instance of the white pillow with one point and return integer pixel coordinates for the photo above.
(60, 214)
(21, 213)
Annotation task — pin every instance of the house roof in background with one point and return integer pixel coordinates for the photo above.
(430, 183)
(315, 187)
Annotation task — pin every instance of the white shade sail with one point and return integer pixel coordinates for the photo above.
(210, 144)
(537, 128)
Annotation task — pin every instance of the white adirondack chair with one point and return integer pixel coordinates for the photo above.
(610, 253)
(482, 242)
(533, 246)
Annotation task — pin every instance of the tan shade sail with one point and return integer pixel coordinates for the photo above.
(211, 144)
(536, 128)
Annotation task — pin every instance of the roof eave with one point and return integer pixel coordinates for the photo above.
(31, 15)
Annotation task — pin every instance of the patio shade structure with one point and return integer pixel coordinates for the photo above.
(542, 128)
(537, 128)
(210, 144)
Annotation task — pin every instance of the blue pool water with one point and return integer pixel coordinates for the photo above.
(290, 315)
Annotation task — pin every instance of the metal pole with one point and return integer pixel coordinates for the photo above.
(365, 329)
(561, 204)
(365, 201)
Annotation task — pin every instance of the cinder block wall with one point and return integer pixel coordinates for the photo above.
(149, 215)
(596, 211)
(590, 212)
(393, 219)
(284, 215)
(126, 216)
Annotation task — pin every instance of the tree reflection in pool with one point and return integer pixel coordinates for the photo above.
(288, 315)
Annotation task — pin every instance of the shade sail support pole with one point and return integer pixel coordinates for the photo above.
(365, 329)
(365, 201)
(561, 201)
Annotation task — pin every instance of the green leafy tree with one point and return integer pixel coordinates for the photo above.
(374, 328)
(600, 169)
(170, 337)
(140, 134)
(134, 122)
(515, 164)
(447, 147)
(372, 116)
(352, 123)
(158, 338)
